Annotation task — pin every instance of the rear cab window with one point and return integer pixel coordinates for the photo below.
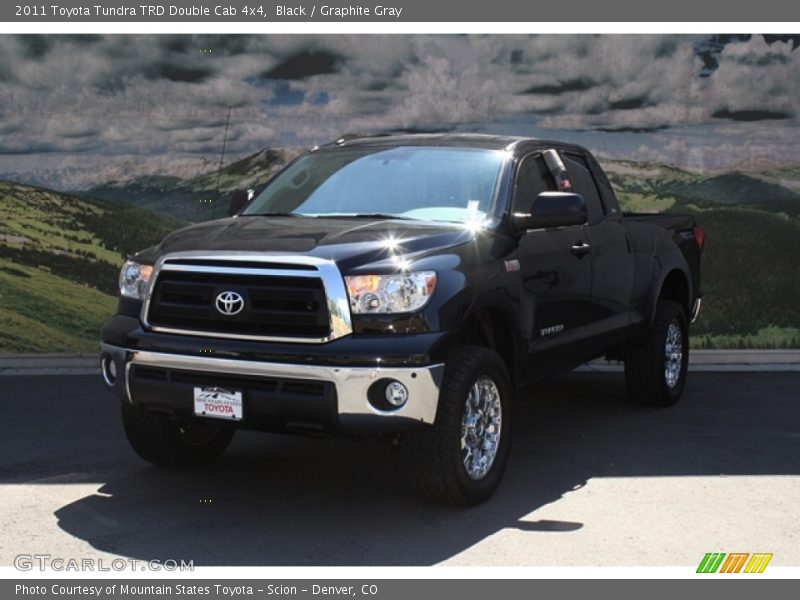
(583, 183)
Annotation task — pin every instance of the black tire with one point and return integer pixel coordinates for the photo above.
(168, 442)
(646, 373)
(434, 457)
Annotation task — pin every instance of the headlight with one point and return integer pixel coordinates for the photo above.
(402, 293)
(133, 279)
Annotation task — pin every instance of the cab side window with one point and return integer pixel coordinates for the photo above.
(533, 178)
(583, 183)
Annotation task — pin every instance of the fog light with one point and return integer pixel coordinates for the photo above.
(109, 370)
(396, 393)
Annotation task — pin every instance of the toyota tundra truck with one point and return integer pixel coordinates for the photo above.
(406, 285)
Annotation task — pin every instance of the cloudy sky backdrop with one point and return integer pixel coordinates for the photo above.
(106, 106)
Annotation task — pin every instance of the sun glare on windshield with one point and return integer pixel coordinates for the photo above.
(408, 182)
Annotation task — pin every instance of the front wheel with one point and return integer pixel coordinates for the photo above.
(168, 442)
(461, 458)
(655, 370)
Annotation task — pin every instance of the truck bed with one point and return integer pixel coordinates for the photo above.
(671, 221)
(685, 233)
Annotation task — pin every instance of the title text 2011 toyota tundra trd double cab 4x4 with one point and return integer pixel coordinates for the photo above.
(404, 284)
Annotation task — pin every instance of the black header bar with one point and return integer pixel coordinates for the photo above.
(393, 11)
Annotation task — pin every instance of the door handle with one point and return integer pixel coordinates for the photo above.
(580, 249)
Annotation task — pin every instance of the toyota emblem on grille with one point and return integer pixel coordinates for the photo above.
(229, 303)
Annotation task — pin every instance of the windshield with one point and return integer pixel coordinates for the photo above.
(412, 182)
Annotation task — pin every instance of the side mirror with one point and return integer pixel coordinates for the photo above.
(239, 199)
(553, 209)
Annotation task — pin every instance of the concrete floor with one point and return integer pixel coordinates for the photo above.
(592, 480)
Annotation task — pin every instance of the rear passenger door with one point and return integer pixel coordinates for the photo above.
(612, 257)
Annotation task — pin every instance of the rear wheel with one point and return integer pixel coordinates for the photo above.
(162, 440)
(655, 370)
(461, 458)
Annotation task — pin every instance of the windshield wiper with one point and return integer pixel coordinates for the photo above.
(365, 216)
(272, 214)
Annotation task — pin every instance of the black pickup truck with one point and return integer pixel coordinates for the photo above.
(400, 284)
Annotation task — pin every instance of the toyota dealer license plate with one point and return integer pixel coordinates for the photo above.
(218, 402)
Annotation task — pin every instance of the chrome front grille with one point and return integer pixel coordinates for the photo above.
(285, 297)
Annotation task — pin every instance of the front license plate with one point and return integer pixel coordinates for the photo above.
(218, 403)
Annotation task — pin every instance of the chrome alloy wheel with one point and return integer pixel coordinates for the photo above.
(481, 427)
(673, 354)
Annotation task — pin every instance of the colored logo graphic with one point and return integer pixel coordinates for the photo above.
(734, 562)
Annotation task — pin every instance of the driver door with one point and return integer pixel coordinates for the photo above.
(556, 278)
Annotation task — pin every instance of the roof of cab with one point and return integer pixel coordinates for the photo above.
(460, 140)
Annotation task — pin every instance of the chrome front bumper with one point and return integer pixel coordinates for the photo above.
(352, 383)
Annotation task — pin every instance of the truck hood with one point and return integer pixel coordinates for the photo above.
(349, 242)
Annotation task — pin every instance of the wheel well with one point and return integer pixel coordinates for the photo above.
(495, 330)
(676, 287)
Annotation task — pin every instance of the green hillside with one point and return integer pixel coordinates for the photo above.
(750, 281)
(739, 189)
(197, 199)
(773, 191)
(59, 260)
(42, 312)
(751, 290)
